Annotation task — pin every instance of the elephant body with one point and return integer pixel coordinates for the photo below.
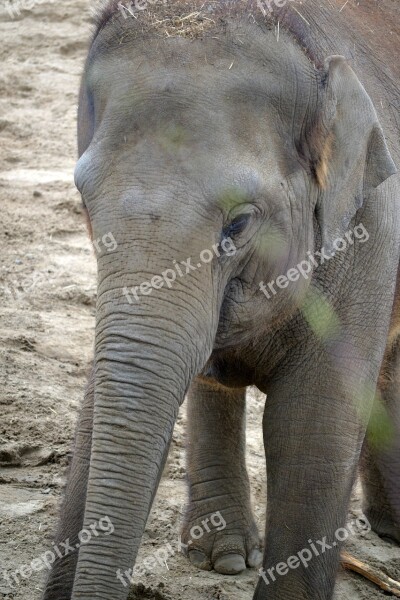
(242, 171)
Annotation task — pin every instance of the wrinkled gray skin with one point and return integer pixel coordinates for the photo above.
(182, 143)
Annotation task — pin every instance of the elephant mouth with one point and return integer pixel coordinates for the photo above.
(224, 367)
(238, 315)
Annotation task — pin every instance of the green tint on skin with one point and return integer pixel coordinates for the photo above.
(325, 324)
(380, 430)
(231, 198)
(320, 316)
(172, 138)
(271, 244)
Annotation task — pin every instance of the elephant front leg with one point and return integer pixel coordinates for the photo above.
(313, 433)
(219, 527)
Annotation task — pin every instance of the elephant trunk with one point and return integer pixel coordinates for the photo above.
(146, 354)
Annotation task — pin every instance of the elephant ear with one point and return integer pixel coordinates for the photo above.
(350, 155)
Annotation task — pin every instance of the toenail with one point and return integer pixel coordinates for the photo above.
(230, 564)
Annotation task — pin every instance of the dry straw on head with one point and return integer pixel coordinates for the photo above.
(192, 25)
(177, 18)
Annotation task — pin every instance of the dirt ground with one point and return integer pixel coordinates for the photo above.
(48, 295)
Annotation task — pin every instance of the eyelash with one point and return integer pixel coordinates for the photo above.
(236, 226)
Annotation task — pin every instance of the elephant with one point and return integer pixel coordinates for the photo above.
(243, 176)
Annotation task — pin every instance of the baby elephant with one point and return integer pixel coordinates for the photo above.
(234, 189)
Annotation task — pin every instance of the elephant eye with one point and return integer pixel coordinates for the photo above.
(236, 226)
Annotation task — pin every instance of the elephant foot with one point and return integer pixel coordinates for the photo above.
(226, 540)
(383, 524)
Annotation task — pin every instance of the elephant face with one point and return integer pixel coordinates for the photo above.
(193, 143)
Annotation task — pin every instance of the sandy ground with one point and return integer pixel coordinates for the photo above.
(48, 294)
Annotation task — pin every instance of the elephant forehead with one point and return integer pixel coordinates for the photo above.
(157, 92)
(193, 125)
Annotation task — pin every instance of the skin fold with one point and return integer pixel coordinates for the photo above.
(185, 142)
